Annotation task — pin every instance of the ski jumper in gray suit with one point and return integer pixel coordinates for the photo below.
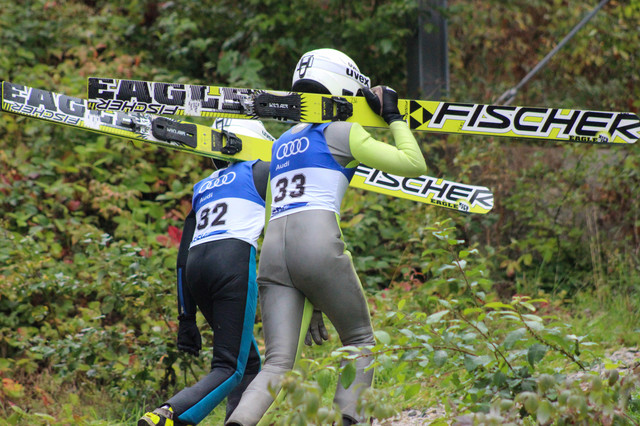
(304, 258)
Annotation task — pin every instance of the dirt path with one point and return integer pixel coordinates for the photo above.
(628, 358)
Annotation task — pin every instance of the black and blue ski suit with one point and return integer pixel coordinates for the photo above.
(217, 273)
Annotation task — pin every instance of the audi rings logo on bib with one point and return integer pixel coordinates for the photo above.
(293, 147)
(225, 179)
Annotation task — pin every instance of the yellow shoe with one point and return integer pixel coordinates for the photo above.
(162, 416)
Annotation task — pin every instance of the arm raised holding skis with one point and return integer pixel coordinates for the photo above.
(406, 159)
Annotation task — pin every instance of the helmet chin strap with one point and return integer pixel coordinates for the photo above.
(309, 86)
(219, 164)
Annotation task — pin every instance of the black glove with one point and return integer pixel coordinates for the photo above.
(317, 330)
(189, 339)
(383, 101)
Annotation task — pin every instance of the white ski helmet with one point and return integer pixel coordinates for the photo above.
(251, 128)
(328, 71)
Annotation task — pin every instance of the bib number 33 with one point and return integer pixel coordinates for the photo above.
(293, 188)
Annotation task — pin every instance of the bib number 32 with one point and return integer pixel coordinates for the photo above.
(216, 214)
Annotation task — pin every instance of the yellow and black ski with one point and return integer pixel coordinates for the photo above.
(552, 124)
(210, 142)
(167, 132)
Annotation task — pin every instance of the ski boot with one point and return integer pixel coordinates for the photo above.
(162, 416)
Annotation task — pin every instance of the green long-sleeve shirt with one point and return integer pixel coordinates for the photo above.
(404, 159)
(351, 144)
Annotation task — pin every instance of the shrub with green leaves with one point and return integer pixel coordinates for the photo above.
(487, 361)
(89, 223)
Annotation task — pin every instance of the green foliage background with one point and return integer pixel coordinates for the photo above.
(89, 224)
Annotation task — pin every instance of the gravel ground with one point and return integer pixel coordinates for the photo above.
(628, 358)
(413, 417)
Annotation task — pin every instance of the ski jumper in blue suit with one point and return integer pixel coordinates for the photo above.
(219, 277)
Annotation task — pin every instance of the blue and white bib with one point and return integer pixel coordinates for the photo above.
(227, 205)
(304, 174)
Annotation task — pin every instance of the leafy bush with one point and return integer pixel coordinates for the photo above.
(89, 223)
(486, 356)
